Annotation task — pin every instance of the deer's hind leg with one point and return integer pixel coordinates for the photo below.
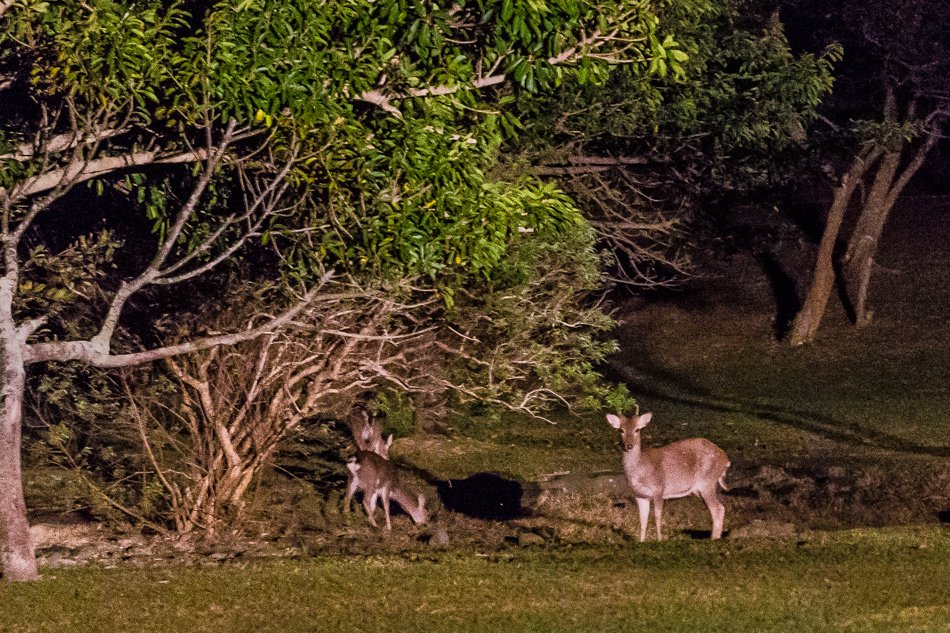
(716, 509)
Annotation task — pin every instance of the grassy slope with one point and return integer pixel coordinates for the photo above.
(883, 580)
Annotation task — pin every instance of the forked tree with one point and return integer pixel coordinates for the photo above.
(895, 86)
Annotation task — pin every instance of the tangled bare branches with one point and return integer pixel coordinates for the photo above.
(639, 232)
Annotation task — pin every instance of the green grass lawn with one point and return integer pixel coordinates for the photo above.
(862, 580)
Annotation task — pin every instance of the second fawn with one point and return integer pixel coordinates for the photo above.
(368, 433)
(693, 466)
(378, 479)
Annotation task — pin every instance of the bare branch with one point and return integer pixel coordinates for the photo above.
(98, 356)
(75, 173)
(61, 143)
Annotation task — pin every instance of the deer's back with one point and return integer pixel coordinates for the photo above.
(375, 470)
(677, 469)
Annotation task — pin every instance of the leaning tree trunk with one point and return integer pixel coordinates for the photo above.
(18, 558)
(862, 248)
(864, 239)
(816, 301)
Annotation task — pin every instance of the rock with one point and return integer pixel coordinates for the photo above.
(837, 472)
(68, 535)
(440, 537)
(527, 539)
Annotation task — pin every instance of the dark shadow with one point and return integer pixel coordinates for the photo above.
(944, 516)
(703, 535)
(841, 284)
(483, 496)
(747, 492)
(808, 217)
(784, 292)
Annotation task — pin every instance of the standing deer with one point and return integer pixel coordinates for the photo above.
(692, 466)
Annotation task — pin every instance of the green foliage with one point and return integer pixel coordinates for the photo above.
(538, 343)
(741, 96)
(64, 286)
(111, 54)
(889, 134)
(393, 188)
(397, 411)
(81, 433)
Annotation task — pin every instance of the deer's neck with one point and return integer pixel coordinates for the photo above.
(631, 456)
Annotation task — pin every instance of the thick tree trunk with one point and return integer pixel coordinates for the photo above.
(816, 301)
(18, 558)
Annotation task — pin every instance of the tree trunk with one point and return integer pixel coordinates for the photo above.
(18, 558)
(816, 301)
(867, 232)
(888, 186)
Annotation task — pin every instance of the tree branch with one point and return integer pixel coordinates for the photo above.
(94, 354)
(61, 143)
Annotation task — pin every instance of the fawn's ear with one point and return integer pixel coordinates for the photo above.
(353, 467)
(389, 440)
(614, 420)
(643, 420)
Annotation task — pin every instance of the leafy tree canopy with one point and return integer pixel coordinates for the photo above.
(394, 111)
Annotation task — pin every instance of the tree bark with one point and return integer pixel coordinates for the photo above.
(864, 239)
(17, 557)
(888, 186)
(816, 301)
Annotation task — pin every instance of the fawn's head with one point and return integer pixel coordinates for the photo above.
(368, 432)
(629, 427)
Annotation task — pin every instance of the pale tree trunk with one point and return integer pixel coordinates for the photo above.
(813, 308)
(867, 231)
(18, 558)
(864, 242)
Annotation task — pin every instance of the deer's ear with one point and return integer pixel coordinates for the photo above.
(643, 420)
(389, 440)
(614, 420)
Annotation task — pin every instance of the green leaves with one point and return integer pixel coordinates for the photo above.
(112, 54)
(391, 114)
(52, 283)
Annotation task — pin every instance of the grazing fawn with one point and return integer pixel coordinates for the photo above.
(692, 466)
(379, 480)
(372, 473)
